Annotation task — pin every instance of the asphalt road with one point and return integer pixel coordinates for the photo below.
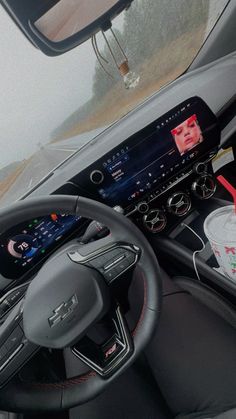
(43, 162)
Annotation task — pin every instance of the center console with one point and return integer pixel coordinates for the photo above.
(161, 169)
(155, 176)
(162, 179)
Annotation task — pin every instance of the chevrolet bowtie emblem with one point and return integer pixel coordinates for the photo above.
(63, 311)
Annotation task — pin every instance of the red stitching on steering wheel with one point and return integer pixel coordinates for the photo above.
(134, 332)
(64, 384)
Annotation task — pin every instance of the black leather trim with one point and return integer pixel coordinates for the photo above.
(227, 414)
(209, 298)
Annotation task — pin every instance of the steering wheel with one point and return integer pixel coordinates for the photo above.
(70, 294)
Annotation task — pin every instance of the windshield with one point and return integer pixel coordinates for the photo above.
(51, 107)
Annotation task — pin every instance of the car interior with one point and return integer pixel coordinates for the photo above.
(114, 300)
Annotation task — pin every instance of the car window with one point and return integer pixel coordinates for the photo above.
(51, 107)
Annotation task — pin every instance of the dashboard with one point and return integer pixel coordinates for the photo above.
(133, 175)
(148, 164)
(150, 161)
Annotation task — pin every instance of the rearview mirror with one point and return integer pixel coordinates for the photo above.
(57, 26)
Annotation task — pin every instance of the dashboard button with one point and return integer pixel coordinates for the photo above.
(3, 353)
(111, 274)
(4, 307)
(142, 207)
(107, 260)
(119, 209)
(200, 168)
(114, 261)
(96, 263)
(110, 256)
(14, 339)
(96, 177)
(122, 266)
(16, 295)
(131, 257)
(114, 253)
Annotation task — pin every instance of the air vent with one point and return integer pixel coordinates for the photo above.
(155, 221)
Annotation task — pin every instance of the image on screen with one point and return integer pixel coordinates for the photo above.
(187, 135)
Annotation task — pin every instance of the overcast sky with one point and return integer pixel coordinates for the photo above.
(37, 92)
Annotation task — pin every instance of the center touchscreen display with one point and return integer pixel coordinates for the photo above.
(156, 154)
(137, 169)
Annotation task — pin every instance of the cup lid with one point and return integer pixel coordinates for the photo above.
(220, 225)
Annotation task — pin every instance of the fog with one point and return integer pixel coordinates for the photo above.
(37, 92)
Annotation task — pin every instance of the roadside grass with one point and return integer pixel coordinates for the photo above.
(163, 67)
(6, 184)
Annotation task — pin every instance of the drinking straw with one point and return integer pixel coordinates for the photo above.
(229, 188)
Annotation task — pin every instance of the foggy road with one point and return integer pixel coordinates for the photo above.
(43, 162)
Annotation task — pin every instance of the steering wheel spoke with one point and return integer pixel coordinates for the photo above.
(69, 302)
(15, 349)
(112, 259)
(107, 354)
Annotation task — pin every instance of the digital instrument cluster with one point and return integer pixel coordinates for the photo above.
(28, 243)
(154, 158)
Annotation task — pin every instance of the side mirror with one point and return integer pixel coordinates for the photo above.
(57, 26)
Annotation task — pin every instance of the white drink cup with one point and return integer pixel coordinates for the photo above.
(220, 229)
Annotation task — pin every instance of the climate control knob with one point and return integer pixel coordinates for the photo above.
(155, 221)
(143, 207)
(200, 168)
(204, 187)
(96, 177)
(179, 204)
